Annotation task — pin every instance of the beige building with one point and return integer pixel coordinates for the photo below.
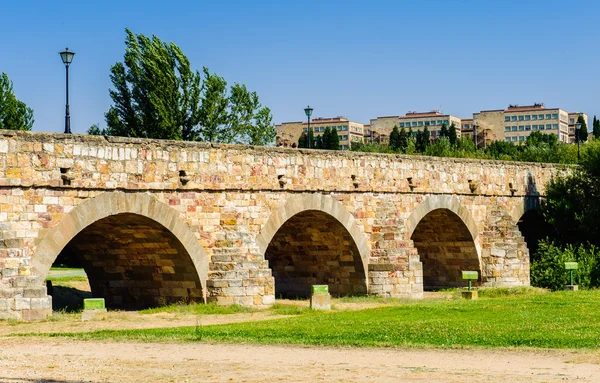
(417, 121)
(572, 120)
(350, 132)
(516, 123)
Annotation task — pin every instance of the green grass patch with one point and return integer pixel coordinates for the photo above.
(552, 320)
(64, 279)
(282, 309)
(198, 309)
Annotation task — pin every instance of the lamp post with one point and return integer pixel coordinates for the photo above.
(577, 128)
(308, 110)
(67, 58)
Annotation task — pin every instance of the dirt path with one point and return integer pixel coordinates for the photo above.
(27, 360)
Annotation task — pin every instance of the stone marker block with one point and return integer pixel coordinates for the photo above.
(320, 298)
(93, 309)
(572, 287)
(98, 314)
(470, 295)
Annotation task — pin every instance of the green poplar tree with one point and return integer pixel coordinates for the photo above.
(403, 140)
(334, 143)
(395, 138)
(452, 135)
(14, 114)
(596, 128)
(444, 131)
(583, 133)
(426, 137)
(326, 138)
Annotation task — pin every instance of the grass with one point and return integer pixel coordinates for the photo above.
(198, 309)
(551, 320)
(61, 279)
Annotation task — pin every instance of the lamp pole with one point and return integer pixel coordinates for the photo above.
(308, 111)
(67, 59)
(577, 128)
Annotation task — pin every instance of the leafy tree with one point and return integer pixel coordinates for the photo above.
(583, 132)
(419, 142)
(538, 138)
(319, 142)
(303, 140)
(213, 112)
(326, 138)
(395, 138)
(572, 203)
(14, 114)
(426, 137)
(262, 131)
(95, 130)
(403, 140)
(155, 94)
(596, 128)
(334, 143)
(452, 136)
(444, 131)
(501, 150)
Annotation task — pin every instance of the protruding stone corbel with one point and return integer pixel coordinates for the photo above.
(473, 185)
(183, 177)
(411, 185)
(512, 189)
(66, 177)
(282, 180)
(355, 181)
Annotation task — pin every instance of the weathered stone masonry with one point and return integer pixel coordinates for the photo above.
(161, 221)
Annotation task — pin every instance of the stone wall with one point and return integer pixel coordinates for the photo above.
(225, 204)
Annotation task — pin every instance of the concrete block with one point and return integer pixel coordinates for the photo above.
(572, 287)
(22, 304)
(470, 295)
(320, 302)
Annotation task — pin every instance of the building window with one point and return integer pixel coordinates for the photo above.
(540, 116)
(513, 118)
(521, 138)
(466, 126)
(316, 129)
(548, 116)
(527, 127)
(439, 132)
(446, 122)
(534, 117)
(514, 128)
(554, 115)
(548, 126)
(521, 118)
(555, 126)
(514, 138)
(507, 139)
(521, 128)
(426, 123)
(321, 129)
(506, 118)
(402, 124)
(414, 123)
(571, 120)
(542, 127)
(439, 122)
(527, 118)
(534, 127)
(420, 123)
(305, 129)
(507, 128)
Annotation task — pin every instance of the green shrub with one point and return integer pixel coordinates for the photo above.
(548, 270)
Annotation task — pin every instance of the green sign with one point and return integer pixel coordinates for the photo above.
(93, 303)
(320, 289)
(470, 275)
(571, 265)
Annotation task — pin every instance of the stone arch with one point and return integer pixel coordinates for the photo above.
(446, 237)
(119, 204)
(317, 207)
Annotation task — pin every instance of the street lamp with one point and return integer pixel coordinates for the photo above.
(577, 128)
(308, 110)
(67, 58)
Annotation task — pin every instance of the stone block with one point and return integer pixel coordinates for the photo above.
(22, 304)
(41, 303)
(34, 292)
(93, 315)
(470, 295)
(572, 287)
(31, 315)
(10, 272)
(320, 302)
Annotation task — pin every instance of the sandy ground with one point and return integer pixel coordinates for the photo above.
(60, 360)
(65, 361)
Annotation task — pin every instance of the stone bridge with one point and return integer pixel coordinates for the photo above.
(155, 222)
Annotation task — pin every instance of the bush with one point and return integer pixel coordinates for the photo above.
(548, 270)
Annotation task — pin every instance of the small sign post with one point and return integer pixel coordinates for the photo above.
(469, 276)
(571, 266)
(320, 298)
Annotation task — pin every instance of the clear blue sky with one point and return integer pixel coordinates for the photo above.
(360, 59)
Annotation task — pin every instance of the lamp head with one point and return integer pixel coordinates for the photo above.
(308, 110)
(67, 56)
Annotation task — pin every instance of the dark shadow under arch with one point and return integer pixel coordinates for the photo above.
(533, 228)
(314, 248)
(446, 247)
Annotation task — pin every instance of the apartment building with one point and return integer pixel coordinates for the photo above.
(350, 132)
(417, 121)
(573, 116)
(516, 123)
